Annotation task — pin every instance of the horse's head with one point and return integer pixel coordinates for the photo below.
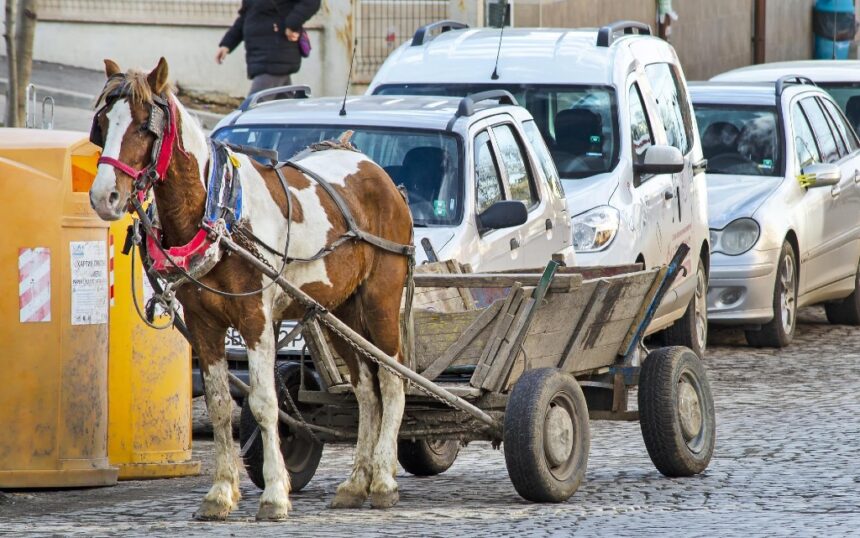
(130, 126)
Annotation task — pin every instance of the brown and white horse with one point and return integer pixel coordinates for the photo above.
(360, 283)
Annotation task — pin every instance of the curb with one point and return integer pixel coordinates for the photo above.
(73, 99)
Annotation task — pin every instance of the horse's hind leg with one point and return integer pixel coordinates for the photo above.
(352, 492)
(274, 502)
(224, 494)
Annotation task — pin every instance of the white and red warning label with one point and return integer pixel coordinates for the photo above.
(34, 284)
(89, 270)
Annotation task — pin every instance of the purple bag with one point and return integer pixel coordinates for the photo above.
(305, 44)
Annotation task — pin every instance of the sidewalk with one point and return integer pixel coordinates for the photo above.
(74, 90)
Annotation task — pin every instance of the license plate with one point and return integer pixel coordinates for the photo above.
(234, 339)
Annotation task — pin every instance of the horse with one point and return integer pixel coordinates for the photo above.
(149, 139)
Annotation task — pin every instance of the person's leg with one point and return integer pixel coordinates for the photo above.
(266, 81)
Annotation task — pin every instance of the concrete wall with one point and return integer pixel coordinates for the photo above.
(582, 13)
(789, 30)
(711, 37)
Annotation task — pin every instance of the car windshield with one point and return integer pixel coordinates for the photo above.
(426, 163)
(578, 123)
(741, 140)
(847, 96)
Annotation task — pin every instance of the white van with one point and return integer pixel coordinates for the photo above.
(612, 106)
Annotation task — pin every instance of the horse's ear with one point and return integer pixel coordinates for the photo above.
(111, 68)
(158, 77)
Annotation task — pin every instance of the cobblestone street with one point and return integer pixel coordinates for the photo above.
(785, 464)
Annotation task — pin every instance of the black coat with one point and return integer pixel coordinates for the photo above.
(267, 50)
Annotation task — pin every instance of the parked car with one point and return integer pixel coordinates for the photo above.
(784, 205)
(612, 106)
(481, 183)
(841, 78)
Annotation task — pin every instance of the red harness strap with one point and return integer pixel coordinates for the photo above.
(181, 257)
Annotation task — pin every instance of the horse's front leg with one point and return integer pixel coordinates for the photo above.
(224, 495)
(275, 502)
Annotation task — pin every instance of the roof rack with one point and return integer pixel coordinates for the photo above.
(467, 104)
(791, 79)
(421, 37)
(294, 92)
(606, 35)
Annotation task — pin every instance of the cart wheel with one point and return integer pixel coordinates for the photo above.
(676, 411)
(546, 435)
(427, 457)
(301, 454)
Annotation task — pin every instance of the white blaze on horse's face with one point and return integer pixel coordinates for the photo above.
(105, 196)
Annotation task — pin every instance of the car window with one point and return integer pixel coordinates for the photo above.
(805, 146)
(671, 105)
(847, 97)
(520, 181)
(845, 130)
(823, 134)
(487, 178)
(641, 137)
(837, 135)
(544, 157)
(740, 139)
(578, 122)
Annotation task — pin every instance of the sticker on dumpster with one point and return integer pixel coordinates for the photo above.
(89, 282)
(34, 285)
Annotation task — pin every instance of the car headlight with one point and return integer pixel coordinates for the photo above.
(595, 229)
(736, 238)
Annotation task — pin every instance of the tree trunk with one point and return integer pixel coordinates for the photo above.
(26, 32)
(12, 62)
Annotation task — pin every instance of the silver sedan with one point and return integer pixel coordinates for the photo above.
(784, 206)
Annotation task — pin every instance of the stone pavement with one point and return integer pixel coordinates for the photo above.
(785, 464)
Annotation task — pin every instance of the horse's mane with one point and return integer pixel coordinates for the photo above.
(133, 84)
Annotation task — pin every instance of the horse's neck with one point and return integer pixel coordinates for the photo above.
(181, 197)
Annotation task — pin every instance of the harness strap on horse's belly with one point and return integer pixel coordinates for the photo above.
(354, 229)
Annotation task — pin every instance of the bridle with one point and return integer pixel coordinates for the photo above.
(161, 124)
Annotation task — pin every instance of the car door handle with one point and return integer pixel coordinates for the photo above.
(668, 195)
(700, 166)
(856, 176)
(835, 191)
(549, 224)
(515, 243)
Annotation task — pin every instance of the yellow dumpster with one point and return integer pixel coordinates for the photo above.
(54, 330)
(150, 382)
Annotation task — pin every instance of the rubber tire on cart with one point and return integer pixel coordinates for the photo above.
(774, 333)
(691, 330)
(547, 437)
(426, 457)
(301, 454)
(676, 411)
(846, 311)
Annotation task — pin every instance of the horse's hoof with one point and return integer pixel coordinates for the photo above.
(384, 499)
(273, 512)
(212, 511)
(344, 499)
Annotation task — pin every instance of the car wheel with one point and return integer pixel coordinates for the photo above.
(691, 330)
(846, 311)
(779, 331)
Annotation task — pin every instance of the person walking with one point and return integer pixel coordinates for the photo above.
(271, 30)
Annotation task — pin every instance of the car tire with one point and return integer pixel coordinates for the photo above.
(846, 311)
(676, 411)
(691, 330)
(427, 457)
(779, 331)
(546, 436)
(301, 454)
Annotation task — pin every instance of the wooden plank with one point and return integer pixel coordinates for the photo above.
(481, 322)
(321, 354)
(643, 310)
(508, 351)
(503, 322)
(468, 300)
(591, 312)
(588, 273)
(561, 283)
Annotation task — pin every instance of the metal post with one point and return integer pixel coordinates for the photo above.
(759, 31)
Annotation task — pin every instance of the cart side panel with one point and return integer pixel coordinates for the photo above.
(435, 332)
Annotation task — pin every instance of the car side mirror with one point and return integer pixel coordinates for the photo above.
(660, 159)
(820, 175)
(503, 214)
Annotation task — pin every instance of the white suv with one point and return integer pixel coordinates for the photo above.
(612, 106)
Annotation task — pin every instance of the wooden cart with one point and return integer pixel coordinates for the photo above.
(524, 359)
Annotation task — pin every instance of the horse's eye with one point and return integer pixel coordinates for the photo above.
(142, 128)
